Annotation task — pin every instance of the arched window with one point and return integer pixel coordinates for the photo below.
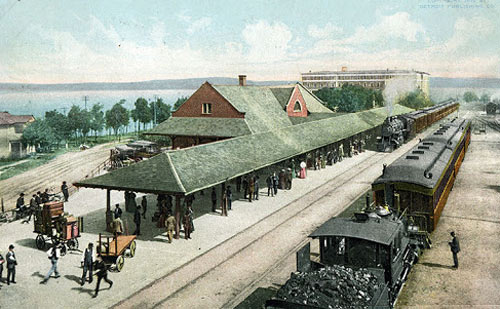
(297, 107)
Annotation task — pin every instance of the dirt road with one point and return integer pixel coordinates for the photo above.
(71, 166)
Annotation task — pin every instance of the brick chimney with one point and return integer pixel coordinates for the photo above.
(243, 80)
(344, 69)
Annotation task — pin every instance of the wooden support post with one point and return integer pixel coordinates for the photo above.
(177, 216)
(109, 213)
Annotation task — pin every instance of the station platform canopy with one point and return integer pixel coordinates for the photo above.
(185, 171)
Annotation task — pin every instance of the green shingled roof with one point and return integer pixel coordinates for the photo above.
(193, 126)
(314, 104)
(314, 117)
(189, 170)
(262, 109)
(282, 94)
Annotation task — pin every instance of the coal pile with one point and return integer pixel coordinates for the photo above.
(332, 287)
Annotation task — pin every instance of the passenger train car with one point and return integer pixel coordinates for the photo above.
(398, 129)
(421, 180)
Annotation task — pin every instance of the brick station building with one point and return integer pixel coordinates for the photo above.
(217, 112)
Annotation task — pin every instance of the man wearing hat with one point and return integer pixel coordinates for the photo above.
(11, 265)
(455, 248)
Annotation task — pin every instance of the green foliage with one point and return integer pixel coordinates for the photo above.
(97, 118)
(485, 98)
(415, 99)
(179, 102)
(350, 98)
(117, 117)
(470, 96)
(79, 122)
(163, 111)
(142, 112)
(59, 124)
(39, 134)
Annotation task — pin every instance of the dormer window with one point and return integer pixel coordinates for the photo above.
(297, 107)
(206, 108)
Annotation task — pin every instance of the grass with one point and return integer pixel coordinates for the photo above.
(31, 162)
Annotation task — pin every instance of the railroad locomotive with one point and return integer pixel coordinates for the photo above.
(398, 129)
(365, 260)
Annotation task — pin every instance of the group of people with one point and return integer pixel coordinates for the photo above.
(90, 262)
(36, 202)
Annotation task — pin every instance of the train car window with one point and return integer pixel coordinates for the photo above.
(362, 253)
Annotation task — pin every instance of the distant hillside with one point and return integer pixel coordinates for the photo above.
(444, 82)
(189, 83)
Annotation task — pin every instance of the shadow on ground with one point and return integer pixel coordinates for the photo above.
(257, 299)
(435, 265)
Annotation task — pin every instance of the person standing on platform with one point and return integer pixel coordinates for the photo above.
(251, 188)
(191, 214)
(87, 263)
(256, 188)
(137, 221)
(54, 254)
(224, 203)
(102, 273)
(186, 222)
(11, 265)
(127, 200)
(275, 183)
(38, 198)
(64, 190)
(214, 200)
(33, 206)
(455, 248)
(144, 204)
(302, 173)
(289, 177)
(269, 182)
(238, 184)
(133, 203)
(170, 226)
(229, 195)
(118, 211)
(117, 226)
(245, 187)
(19, 205)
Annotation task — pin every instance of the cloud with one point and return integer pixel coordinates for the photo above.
(267, 42)
(396, 26)
(468, 32)
(321, 33)
(199, 24)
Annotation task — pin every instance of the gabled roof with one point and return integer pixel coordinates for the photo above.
(6, 118)
(314, 104)
(262, 109)
(192, 169)
(202, 126)
(282, 94)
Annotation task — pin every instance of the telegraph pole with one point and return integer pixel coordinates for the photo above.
(154, 108)
(85, 98)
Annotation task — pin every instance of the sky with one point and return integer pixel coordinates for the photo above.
(67, 41)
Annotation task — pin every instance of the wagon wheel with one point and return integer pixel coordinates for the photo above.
(119, 263)
(40, 242)
(133, 245)
(63, 250)
(73, 244)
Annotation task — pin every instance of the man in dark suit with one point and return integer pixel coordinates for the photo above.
(64, 190)
(118, 211)
(455, 248)
(87, 263)
(137, 220)
(102, 273)
(11, 265)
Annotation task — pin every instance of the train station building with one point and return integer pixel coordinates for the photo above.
(187, 171)
(218, 112)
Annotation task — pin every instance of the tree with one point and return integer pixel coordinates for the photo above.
(79, 122)
(470, 96)
(415, 99)
(350, 98)
(97, 118)
(179, 102)
(59, 124)
(39, 134)
(485, 98)
(163, 111)
(142, 111)
(117, 117)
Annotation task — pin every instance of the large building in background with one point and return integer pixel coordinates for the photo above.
(375, 79)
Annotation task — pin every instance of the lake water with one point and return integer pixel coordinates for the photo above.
(36, 103)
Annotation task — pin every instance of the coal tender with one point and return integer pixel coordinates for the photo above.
(363, 263)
